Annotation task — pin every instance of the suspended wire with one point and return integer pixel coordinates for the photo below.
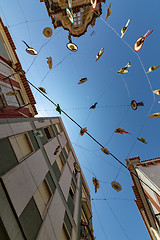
(54, 67)
(100, 222)
(102, 199)
(123, 116)
(112, 71)
(72, 118)
(30, 21)
(45, 43)
(118, 173)
(131, 50)
(126, 84)
(87, 133)
(123, 230)
(93, 153)
(86, 108)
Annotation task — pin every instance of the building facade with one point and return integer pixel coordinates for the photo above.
(83, 15)
(146, 179)
(16, 98)
(41, 194)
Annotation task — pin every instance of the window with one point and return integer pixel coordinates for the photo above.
(42, 197)
(67, 223)
(3, 50)
(58, 127)
(60, 163)
(30, 220)
(3, 232)
(67, 148)
(158, 219)
(3, 102)
(20, 98)
(77, 18)
(64, 234)
(21, 145)
(72, 191)
(48, 133)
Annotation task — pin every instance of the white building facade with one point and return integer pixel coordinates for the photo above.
(146, 179)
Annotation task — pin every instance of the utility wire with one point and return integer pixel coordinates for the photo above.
(89, 135)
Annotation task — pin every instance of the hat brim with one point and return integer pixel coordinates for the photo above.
(69, 14)
(155, 115)
(94, 3)
(47, 32)
(134, 105)
(137, 48)
(31, 51)
(72, 47)
(116, 186)
(82, 81)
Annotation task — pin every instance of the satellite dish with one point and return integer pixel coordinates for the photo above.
(69, 14)
(72, 47)
(94, 3)
(138, 44)
(155, 115)
(47, 32)
(116, 186)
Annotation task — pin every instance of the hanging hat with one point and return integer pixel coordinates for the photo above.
(105, 150)
(139, 43)
(56, 150)
(47, 32)
(157, 91)
(11, 93)
(155, 115)
(42, 89)
(125, 69)
(82, 80)
(49, 62)
(108, 12)
(96, 183)
(83, 131)
(99, 54)
(121, 131)
(116, 186)
(72, 47)
(69, 14)
(142, 140)
(93, 106)
(30, 50)
(58, 109)
(134, 104)
(94, 3)
(152, 68)
(38, 133)
(124, 29)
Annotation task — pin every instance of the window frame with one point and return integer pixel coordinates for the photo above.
(29, 142)
(46, 205)
(50, 132)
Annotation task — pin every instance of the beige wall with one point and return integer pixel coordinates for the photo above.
(22, 181)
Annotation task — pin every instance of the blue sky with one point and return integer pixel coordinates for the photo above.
(118, 216)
